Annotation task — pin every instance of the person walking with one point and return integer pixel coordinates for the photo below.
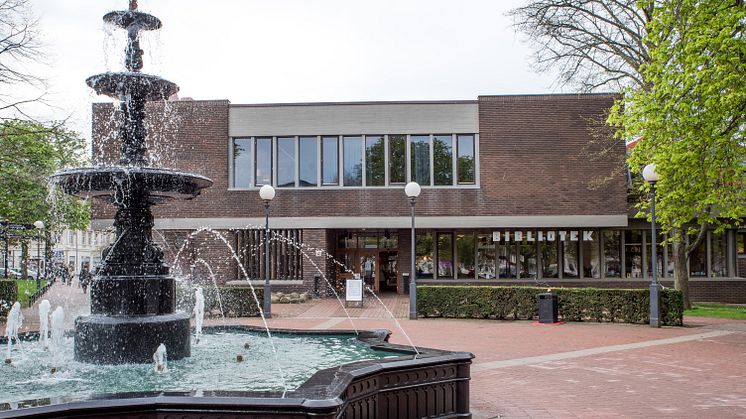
(85, 278)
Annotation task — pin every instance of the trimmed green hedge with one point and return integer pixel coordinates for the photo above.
(8, 295)
(236, 301)
(520, 303)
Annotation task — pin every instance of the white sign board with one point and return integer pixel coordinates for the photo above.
(354, 289)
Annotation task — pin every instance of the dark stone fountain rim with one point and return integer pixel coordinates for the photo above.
(325, 391)
(125, 18)
(147, 87)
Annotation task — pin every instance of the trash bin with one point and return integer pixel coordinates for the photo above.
(547, 307)
(405, 282)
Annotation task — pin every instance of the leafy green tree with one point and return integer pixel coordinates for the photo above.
(692, 118)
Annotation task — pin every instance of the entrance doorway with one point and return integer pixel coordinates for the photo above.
(371, 254)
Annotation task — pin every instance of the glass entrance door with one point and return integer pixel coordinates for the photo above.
(368, 269)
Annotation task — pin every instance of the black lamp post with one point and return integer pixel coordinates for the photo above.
(39, 227)
(649, 174)
(267, 193)
(413, 191)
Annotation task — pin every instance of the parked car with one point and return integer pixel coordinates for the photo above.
(12, 273)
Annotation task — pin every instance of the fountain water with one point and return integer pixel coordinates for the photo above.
(58, 334)
(160, 359)
(44, 322)
(12, 324)
(199, 313)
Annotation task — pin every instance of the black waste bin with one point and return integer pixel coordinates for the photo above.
(547, 307)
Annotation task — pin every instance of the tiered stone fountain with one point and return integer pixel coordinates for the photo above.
(132, 295)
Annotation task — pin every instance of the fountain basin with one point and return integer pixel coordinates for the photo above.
(132, 84)
(432, 384)
(118, 181)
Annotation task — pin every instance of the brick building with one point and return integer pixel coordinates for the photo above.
(516, 190)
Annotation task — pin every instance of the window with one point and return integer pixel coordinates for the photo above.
(445, 255)
(241, 162)
(632, 254)
(698, 260)
(424, 249)
(612, 252)
(353, 161)
(485, 257)
(308, 161)
(741, 242)
(570, 259)
(397, 159)
(263, 161)
(330, 160)
(591, 259)
(548, 252)
(285, 161)
(658, 256)
(375, 161)
(718, 265)
(420, 159)
(443, 159)
(465, 162)
(465, 255)
(506, 259)
(527, 260)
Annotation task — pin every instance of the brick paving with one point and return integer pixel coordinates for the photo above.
(526, 370)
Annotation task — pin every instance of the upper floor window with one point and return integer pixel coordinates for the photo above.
(285, 161)
(465, 159)
(443, 159)
(397, 159)
(263, 161)
(420, 159)
(330, 160)
(353, 161)
(308, 156)
(375, 161)
(242, 162)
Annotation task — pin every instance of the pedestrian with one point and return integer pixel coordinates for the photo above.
(85, 278)
(69, 274)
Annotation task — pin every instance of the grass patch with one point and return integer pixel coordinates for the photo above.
(26, 288)
(721, 311)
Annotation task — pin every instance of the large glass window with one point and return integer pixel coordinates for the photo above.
(308, 161)
(527, 260)
(698, 260)
(353, 161)
(632, 254)
(741, 242)
(659, 255)
(375, 161)
(285, 161)
(420, 159)
(548, 250)
(718, 265)
(424, 249)
(465, 162)
(241, 162)
(465, 255)
(443, 159)
(591, 259)
(445, 255)
(263, 161)
(485, 257)
(397, 159)
(612, 252)
(570, 259)
(507, 262)
(330, 160)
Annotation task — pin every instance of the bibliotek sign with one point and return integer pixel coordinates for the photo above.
(543, 236)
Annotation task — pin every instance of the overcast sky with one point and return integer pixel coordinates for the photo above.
(260, 51)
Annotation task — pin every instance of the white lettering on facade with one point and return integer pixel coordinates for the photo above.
(518, 236)
(588, 235)
(550, 236)
(529, 236)
(574, 236)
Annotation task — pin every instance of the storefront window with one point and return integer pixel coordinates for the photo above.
(632, 254)
(612, 252)
(591, 258)
(330, 160)
(659, 255)
(485, 257)
(424, 262)
(389, 241)
(507, 260)
(369, 242)
(285, 161)
(347, 241)
(241, 162)
(397, 159)
(465, 254)
(465, 146)
(548, 250)
(420, 164)
(527, 260)
(445, 255)
(353, 161)
(308, 161)
(698, 260)
(375, 164)
(570, 259)
(443, 159)
(263, 161)
(718, 267)
(741, 242)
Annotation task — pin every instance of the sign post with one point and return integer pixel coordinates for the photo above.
(354, 292)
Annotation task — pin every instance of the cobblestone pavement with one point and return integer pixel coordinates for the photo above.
(527, 370)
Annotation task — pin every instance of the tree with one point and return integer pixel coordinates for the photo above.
(593, 44)
(19, 47)
(692, 118)
(29, 154)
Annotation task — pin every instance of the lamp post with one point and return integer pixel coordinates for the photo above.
(413, 191)
(267, 193)
(650, 176)
(39, 226)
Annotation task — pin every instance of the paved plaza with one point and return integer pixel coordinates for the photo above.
(526, 370)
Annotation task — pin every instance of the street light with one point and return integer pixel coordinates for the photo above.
(413, 191)
(649, 174)
(267, 193)
(39, 227)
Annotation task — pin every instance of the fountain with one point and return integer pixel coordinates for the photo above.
(121, 349)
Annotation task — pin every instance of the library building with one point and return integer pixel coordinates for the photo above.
(519, 189)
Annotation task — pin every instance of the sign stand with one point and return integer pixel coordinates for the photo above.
(354, 292)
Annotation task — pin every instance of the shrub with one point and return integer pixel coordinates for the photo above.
(8, 295)
(236, 301)
(520, 303)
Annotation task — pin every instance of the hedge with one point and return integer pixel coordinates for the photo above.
(8, 295)
(236, 301)
(520, 303)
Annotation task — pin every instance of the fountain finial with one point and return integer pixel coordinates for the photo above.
(133, 4)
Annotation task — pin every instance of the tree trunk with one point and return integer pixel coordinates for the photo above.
(680, 271)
